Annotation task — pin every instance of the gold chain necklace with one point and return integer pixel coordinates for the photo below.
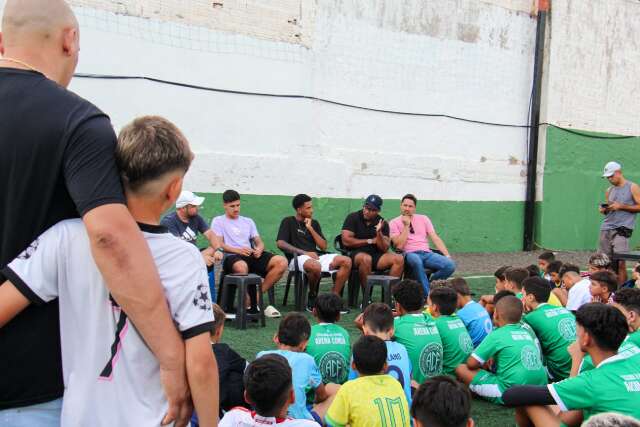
(24, 64)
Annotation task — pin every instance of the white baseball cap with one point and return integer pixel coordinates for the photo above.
(188, 198)
(610, 168)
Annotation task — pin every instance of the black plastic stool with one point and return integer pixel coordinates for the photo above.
(242, 282)
(378, 280)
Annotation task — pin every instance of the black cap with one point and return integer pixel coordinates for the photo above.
(374, 202)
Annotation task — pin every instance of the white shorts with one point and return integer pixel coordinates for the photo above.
(325, 261)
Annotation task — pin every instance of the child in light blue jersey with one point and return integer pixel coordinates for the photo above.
(473, 315)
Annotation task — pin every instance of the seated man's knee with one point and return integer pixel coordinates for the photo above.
(413, 260)
(240, 267)
(344, 261)
(280, 263)
(312, 267)
(398, 260)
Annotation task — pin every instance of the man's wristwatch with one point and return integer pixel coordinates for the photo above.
(220, 249)
(369, 241)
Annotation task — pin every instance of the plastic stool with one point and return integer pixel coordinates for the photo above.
(378, 280)
(242, 283)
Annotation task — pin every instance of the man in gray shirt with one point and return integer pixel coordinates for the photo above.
(620, 210)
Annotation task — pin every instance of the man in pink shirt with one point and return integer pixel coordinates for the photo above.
(410, 233)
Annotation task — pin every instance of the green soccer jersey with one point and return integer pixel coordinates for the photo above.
(419, 334)
(456, 342)
(555, 328)
(614, 386)
(629, 347)
(330, 346)
(517, 359)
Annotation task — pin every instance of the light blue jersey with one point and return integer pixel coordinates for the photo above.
(398, 366)
(477, 321)
(306, 377)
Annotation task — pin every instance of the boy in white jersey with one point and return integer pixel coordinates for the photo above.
(111, 377)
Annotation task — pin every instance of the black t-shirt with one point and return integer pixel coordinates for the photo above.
(231, 368)
(187, 231)
(56, 162)
(295, 233)
(361, 230)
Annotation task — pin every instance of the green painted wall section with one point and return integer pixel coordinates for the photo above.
(464, 226)
(573, 188)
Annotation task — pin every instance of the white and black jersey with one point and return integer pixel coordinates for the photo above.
(111, 377)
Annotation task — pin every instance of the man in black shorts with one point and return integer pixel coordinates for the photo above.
(366, 234)
(243, 245)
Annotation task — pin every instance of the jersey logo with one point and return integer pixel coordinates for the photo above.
(431, 360)
(27, 253)
(567, 329)
(116, 347)
(465, 343)
(333, 367)
(201, 298)
(530, 358)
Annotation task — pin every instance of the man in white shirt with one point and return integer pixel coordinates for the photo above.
(577, 286)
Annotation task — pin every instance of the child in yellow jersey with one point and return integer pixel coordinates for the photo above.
(374, 398)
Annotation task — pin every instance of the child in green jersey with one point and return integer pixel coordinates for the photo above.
(417, 332)
(374, 398)
(456, 342)
(516, 357)
(329, 344)
(555, 327)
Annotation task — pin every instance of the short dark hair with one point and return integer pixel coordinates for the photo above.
(299, 200)
(441, 401)
(607, 278)
(294, 328)
(501, 294)
(510, 308)
(409, 294)
(637, 268)
(554, 267)
(369, 355)
(533, 270)
(267, 381)
(499, 273)
(378, 317)
(547, 256)
(605, 323)
(230, 196)
(567, 268)
(629, 298)
(328, 307)
(538, 287)
(410, 197)
(516, 275)
(459, 285)
(446, 299)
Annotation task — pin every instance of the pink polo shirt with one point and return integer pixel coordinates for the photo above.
(416, 241)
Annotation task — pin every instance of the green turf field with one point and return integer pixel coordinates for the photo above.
(255, 339)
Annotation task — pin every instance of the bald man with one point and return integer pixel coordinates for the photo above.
(57, 162)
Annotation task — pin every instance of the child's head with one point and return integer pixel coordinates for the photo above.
(444, 301)
(535, 290)
(534, 270)
(327, 308)
(442, 402)
(461, 287)
(600, 325)
(603, 284)
(553, 270)
(514, 278)
(569, 275)
(508, 310)
(627, 300)
(153, 157)
(635, 274)
(218, 323)
(294, 331)
(598, 262)
(544, 259)
(409, 296)
(268, 385)
(377, 320)
(500, 279)
(369, 355)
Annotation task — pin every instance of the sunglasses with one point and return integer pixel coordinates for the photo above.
(411, 230)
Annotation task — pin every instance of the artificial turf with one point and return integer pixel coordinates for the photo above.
(254, 339)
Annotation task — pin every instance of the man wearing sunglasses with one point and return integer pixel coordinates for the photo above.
(410, 233)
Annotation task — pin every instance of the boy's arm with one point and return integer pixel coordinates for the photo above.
(202, 374)
(12, 302)
(321, 394)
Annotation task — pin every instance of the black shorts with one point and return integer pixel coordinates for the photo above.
(256, 265)
(375, 258)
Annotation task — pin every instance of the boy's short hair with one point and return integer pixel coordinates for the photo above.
(538, 287)
(605, 323)
(299, 200)
(441, 401)
(607, 279)
(267, 381)
(566, 268)
(554, 267)
(378, 317)
(501, 294)
(328, 307)
(409, 294)
(611, 419)
(599, 260)
(230, 196)
(637, 268)
(510, 309)
(148, 148)
(629, 298)
(533, 270)
(369, 355)
(446, 299)
(499, 273)
(459, 285)
(410, 197)
(547, 256)
(516, 275)
(294, 329)
(218, 318)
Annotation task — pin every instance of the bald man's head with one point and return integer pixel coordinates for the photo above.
(509, 309)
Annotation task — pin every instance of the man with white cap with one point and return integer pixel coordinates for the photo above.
(620, 210)
(186, 223)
